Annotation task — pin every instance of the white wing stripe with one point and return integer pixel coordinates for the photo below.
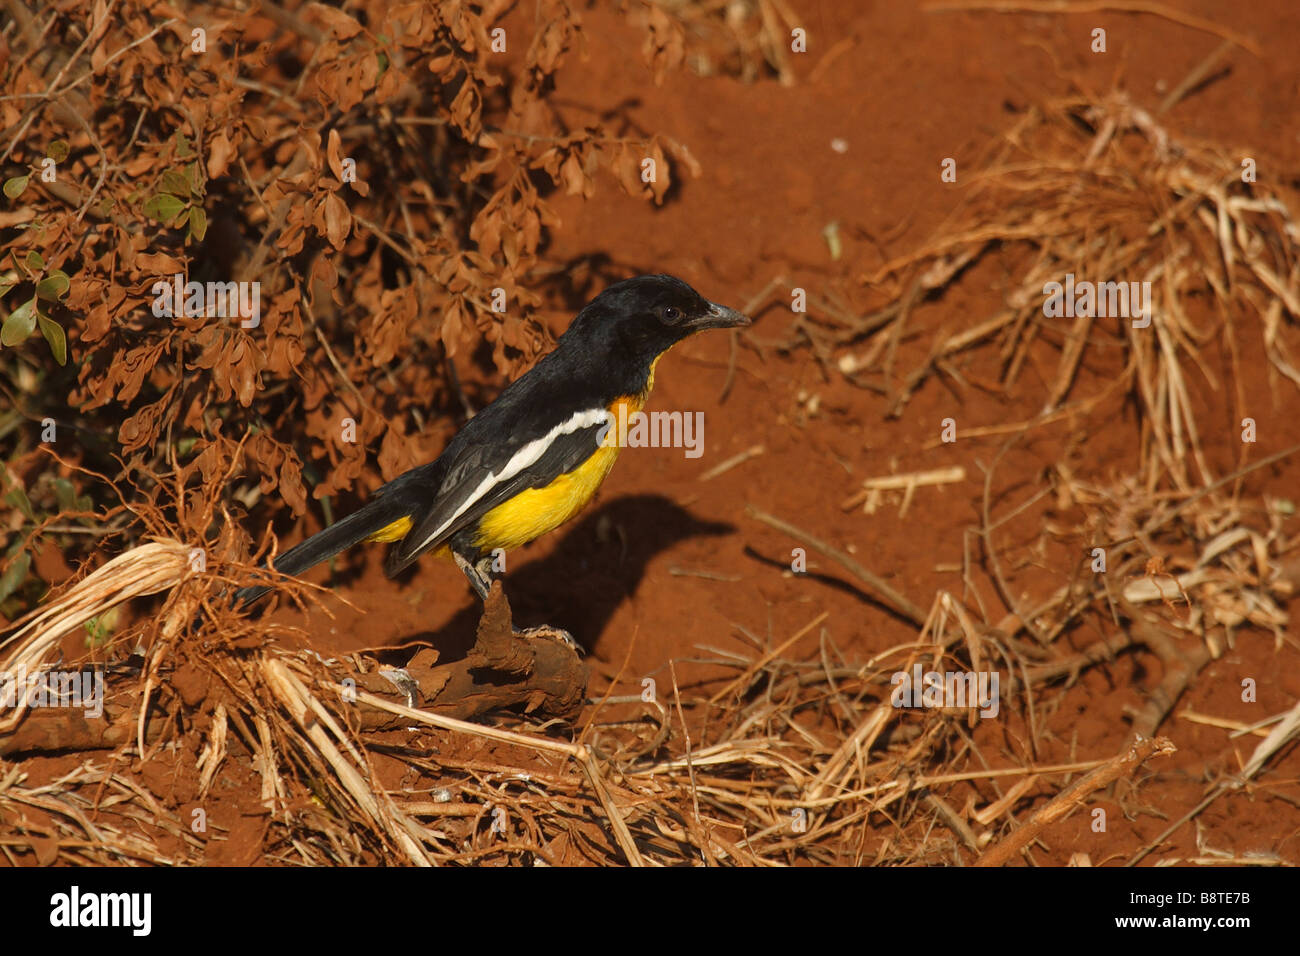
(527, 455)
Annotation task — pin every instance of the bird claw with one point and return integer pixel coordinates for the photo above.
(554, 633)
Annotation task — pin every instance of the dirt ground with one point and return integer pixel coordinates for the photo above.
(667, 561)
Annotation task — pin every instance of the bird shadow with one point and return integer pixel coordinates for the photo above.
(597, 565)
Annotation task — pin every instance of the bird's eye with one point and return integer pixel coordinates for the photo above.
(671, 314)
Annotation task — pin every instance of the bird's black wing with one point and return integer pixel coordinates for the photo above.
(485, 466)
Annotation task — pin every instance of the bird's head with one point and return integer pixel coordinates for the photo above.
(649, 314)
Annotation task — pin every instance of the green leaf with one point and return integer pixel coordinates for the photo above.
(183, 148)
(198, 223)
(53, 333)
(18, 498)
(195, 175)
(57, 151)
(20, 324)
(14, 187)
(175, 182)
(7, 282)
(53, 286)
(163, 207)
(100, 628)
(14, 575)
(64, 494)
(35, 262)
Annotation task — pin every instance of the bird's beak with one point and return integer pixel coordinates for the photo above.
(721, 317)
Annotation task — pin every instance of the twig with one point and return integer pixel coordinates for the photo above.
(883, 591)
(1073, 796)
(739, 459)
(1100, 6)
(749, 308)
(1194, 78)
(908, 482)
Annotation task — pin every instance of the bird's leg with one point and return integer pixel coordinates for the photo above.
(479, 574)
(480, 579)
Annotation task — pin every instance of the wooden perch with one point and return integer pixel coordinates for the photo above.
(503, 669)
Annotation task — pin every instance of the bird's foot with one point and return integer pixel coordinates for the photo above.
(554, 633)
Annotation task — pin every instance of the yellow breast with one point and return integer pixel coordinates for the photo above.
(532, 513)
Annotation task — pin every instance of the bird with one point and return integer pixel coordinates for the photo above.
(532, 458)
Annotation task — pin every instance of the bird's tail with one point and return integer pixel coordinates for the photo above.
(356, 527)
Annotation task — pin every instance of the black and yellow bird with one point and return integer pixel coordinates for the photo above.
(531, 459)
